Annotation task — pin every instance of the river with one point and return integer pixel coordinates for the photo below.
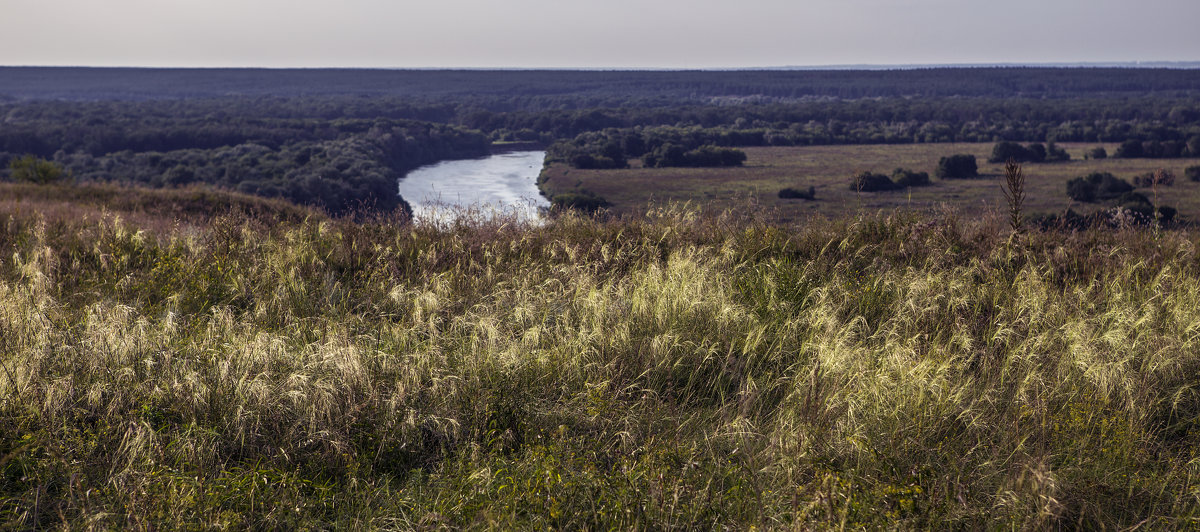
(503, 183)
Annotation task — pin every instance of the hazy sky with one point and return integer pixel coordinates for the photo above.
(591, 33)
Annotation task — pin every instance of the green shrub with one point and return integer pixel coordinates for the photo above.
(1192, 173)
(1130, 149)
(1055, 153)
(1157, 178)
(583, 201)
(957, 167)
(1079, 189)
(1166, 214)
(1003, 151)
(795, 193)
(708, 155)
(910, 178)
(871, 182)
(1097, 186)
(587, 161)
(32, 169)
(1136, 202)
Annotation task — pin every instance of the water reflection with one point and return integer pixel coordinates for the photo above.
(504, 183)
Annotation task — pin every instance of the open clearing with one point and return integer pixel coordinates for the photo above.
(829, 169)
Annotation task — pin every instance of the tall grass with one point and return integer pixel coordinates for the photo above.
(902, 370)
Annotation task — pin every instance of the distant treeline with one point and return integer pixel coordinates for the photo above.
(339, 165)
(339, 139)
(506, 90)
(612, 147)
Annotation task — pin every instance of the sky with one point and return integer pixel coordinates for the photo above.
(592, 33)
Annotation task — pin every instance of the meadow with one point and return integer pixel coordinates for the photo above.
(221, 368)
(829, 169)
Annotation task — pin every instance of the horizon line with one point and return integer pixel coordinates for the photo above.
(1182, 65)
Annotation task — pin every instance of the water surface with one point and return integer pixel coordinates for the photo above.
(502, 183)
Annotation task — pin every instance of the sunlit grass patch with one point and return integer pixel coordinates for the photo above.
(674, 370)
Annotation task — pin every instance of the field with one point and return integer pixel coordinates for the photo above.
(829, 169)
(269, 369)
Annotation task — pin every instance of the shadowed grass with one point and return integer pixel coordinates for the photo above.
(901, 370)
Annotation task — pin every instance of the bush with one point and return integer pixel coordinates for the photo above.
(1033, 153)
(957, 166)
(669, 155)
(1003, 151)
(1136, 203)
(1055, 154)
(1096, 153)
(1097, 186)
(1109, 186)
(583, 201)
(35, 170)
(1166, 215)
(1192, 173)
(1079, 189)
(795, 193)
(586, 161)
(710, 155)
(910, 178)
(1160, 177)
(1130, 149)
(870, 182)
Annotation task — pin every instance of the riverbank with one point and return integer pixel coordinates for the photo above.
(509, 147)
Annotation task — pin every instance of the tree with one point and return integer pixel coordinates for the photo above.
(1037, 152)
(1192, 173)
(35, 170)
(870, 182)
(1079, 189)
(795, 193)
(1055, 153)
(1003, 151)
(957, 166)
(910, 178)
(1097, 186)
(1130, 149)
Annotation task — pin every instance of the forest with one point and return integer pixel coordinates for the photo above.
(505, 90)
(340, 139)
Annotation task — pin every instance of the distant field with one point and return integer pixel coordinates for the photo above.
(830, 168)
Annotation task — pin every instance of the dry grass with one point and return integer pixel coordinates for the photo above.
(829, 169)
(671, 371)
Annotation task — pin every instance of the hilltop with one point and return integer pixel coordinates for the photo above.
(893, 370)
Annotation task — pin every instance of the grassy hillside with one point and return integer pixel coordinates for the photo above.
(899, 371)
(157, 209)
(829, 169)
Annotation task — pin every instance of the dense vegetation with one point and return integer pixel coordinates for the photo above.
(1035, 152)
(957, 166)
(795, 193)
(318, 137)
(902, 370)
(340, 165)
(872, 182)
(1097, 186)
(581, 88)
